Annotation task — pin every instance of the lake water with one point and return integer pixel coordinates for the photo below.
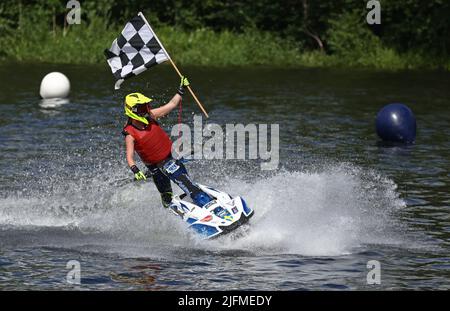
(338, 199)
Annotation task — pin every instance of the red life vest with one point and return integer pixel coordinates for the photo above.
(152, 144)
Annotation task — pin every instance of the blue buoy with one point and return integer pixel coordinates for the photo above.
(396, 123)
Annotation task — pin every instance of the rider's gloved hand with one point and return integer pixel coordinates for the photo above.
(184, 82)
(138, 175)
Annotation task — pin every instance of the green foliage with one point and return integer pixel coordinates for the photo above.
(351, 40)
(419, 26)
(350, 36)
(354, 44)
(206, 47)
(242, 32)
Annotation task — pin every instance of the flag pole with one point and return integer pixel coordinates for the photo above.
(173, 64)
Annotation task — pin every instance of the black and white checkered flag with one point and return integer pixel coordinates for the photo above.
(135, 50)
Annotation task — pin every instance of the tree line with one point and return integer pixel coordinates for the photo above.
(332, 27)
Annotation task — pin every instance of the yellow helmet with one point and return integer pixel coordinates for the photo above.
(132, 102)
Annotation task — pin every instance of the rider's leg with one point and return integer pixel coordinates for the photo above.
(176, 171)
(162, 183)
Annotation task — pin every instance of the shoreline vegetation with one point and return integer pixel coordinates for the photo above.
(41, 35)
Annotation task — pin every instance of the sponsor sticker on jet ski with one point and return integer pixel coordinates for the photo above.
(209, 204)
(223, 213)
(171, 167)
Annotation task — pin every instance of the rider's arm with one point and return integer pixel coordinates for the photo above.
(173, 103)
(164, 110)
(129, 143)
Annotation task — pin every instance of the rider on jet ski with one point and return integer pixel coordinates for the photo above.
(144, 135)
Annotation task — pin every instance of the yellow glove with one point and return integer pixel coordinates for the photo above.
(138, 175)
(184, 82)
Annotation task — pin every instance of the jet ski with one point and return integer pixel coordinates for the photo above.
(220, 216)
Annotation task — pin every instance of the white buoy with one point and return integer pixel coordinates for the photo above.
(54, 85)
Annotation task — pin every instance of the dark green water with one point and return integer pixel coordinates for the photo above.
(337, 200)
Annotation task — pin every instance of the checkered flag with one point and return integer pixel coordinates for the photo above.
(135, 50)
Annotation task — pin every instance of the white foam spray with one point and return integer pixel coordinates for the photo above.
(328, 212)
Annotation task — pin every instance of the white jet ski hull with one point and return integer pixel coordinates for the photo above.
(222, 215)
